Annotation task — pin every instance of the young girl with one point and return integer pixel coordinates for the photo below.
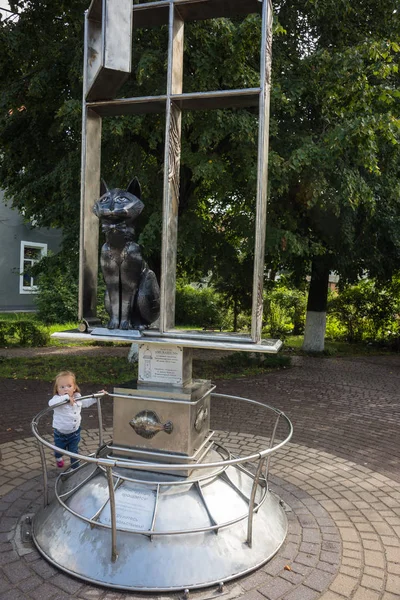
(67, 417)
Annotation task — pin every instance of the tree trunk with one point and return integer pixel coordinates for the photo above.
(314, 332)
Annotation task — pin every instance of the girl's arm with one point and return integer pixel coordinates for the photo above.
(57, 399)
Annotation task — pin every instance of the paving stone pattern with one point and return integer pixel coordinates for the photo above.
(339, 478)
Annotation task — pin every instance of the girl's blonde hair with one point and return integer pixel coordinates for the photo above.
(65, 374)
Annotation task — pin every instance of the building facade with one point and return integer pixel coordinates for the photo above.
(21, 246)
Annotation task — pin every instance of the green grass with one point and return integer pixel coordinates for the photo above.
(103, 370)
(64, 327)
(70, 343)
(99, 369)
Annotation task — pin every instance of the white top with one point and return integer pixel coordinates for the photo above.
(67, 418)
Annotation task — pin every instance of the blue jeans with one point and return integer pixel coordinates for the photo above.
(68, 441)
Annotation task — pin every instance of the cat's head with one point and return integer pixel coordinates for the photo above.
(118, 205)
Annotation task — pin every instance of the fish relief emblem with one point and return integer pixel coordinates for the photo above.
(147, 424)
(201, 418)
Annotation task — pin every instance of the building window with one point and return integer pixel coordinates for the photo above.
(31, 253)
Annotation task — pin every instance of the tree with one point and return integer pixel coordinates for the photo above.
(334, 159)
(40, 70)
(337, 142)
(41, 119)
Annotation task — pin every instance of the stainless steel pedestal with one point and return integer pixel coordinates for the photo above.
(171, 536)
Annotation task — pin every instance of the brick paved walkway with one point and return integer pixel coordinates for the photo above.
(339, 477)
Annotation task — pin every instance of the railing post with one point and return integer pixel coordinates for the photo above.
(114, 553)
(255, 483)
(100, 419)
(44, 471)
(271, 445)
(252, 501)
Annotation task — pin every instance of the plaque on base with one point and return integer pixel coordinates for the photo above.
(164, 363)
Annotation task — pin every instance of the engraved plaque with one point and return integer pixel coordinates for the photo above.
(134, 509)
(161, 363)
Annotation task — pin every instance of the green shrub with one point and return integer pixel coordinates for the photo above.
(22, 333)
(284, 310)
(368, 311)
(57, 303)
(335, 330)
(277, 321)
(58, 289)
(57, 297)
(243, 321)
(200, 307)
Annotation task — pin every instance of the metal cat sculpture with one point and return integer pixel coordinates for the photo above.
(132, 297)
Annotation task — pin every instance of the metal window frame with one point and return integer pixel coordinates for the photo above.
(23, 289)
(106, 67)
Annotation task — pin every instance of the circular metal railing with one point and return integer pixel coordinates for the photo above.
(108, 465)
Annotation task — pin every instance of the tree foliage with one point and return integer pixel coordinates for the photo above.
(40, 73)
(369, 310)
(335, 148)
(334, 182)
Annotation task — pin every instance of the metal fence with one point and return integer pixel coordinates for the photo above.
(255, 465)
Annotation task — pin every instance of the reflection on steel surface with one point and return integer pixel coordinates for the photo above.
(147, 424)
(192, 339)
(201, 417)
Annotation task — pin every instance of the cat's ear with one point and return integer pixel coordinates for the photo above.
(103, 188)
(134, 188)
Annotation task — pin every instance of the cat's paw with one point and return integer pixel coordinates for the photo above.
(124, 325)
(112, 324)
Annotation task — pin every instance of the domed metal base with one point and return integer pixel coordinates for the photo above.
(172, 532)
